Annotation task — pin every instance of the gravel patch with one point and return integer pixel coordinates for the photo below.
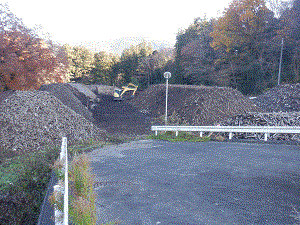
(70, 97)
(283, 98)
(33, 119)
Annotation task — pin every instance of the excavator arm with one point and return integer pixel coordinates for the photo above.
(118, 94)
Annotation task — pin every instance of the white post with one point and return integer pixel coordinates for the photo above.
(167, 75)
(230, 135)
(62, 218)
(176, 133)
(166, 116)
(201, 134)
(58, 215)
(156, 133)
(266, 136)
(66, 194)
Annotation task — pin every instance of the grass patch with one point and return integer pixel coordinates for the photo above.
(24, 179)
(82, 198)
(182, 136)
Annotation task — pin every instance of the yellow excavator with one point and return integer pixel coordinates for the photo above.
(119, 93)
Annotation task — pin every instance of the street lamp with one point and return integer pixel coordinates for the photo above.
(167, 75)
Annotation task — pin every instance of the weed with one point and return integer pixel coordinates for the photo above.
(25, 182)
(182, 136)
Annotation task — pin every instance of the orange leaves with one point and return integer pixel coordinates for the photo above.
(27, 62)
(241, 22)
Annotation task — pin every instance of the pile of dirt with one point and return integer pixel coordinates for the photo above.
(197, 105)
(33, 119)
(101, 89)
(120, 118)
(283, 98)
(70, 97)
(84, 89)
(265, 119)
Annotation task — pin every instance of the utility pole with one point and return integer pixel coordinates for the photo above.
(280, 62)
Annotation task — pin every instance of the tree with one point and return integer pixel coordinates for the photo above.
(105, 68)
(81, 62)
(290, 31)
(241, 25)
(194, 55)
(26, 61)
(278, 6)
(244, 37)
(130, 59)
(149, 66)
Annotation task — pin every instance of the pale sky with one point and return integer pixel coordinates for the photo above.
(97, 22)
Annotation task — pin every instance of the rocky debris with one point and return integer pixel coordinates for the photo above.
(283, 98)
(5, 94)
(101, 89)
(265, 119)
(197, 105)
(85, 90)
(70, 97)
(33, 119)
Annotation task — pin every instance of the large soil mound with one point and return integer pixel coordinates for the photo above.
(120, 118)
(33, 119)
(70, 97)
(197, 105)
(283, 98)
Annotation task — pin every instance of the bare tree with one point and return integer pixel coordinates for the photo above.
(279, 6)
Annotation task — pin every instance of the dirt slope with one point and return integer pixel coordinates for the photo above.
(283, 98)
(120, 117)
(198, 105)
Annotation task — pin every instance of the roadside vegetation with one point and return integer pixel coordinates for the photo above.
(24, 179)
(182, 136)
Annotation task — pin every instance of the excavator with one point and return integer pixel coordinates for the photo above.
(119, 93)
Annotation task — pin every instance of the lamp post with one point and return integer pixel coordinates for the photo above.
(167, 75)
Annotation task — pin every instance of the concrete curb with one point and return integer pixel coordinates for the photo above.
(47, 211)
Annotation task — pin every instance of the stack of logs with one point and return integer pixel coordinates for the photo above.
(265, 119)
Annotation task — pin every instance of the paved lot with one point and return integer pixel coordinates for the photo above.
(158, 182)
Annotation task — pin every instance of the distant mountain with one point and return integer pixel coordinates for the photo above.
(118, 45)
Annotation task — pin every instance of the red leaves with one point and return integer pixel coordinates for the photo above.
(27, 62)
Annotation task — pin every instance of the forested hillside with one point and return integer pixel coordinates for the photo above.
(240, 49)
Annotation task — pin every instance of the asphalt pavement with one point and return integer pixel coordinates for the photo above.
(159, 182)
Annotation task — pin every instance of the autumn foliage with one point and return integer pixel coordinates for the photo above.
(27, 62)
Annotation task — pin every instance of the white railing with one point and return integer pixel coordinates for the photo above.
(63, 189)
(231, 129)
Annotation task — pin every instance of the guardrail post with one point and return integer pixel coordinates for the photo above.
(230, 135)
(266, 136)
(176, 133)
(156, 133)
(58, 215)
(61, 218)
(201, 134)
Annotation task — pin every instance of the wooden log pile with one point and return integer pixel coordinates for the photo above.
(265, 119)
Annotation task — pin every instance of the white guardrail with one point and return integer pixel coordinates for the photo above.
(231, 129)
(63, 189)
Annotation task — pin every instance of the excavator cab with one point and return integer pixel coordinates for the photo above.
(120, 93)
